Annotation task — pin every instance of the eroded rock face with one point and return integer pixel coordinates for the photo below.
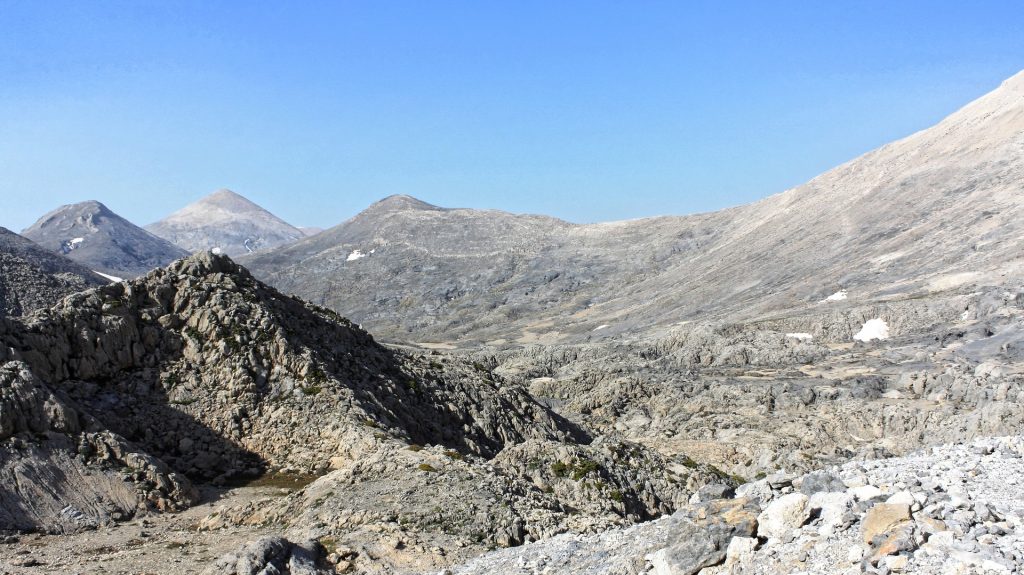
(60, 472)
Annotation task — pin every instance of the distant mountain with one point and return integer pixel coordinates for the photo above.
(227, 223)
(941, 209)
(32, 278)
(92, 235)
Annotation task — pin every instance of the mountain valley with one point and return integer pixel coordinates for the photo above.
(829, 380)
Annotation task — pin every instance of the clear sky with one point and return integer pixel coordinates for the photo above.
(588, 111)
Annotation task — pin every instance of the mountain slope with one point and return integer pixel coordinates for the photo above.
(92, 235)
(937, 210)
(32, 278)
(226, 222)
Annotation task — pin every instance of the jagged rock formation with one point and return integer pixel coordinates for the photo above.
(32, 278)
(936, 210)
(92, 235)
(949, 509)
(218, 377)
(226, 223)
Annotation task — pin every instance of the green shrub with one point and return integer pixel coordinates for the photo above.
(583, 468)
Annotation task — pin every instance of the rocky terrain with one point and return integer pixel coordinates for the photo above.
(798, 393)
(937, 210)
(948, 509)
(32, 278)
(92, 235)
(226, 223)
(126, 394)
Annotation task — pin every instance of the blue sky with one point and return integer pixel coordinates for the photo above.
(588, 111)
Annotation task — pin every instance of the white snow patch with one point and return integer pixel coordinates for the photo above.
(215, 251)
(603, 326)
(113, 279)
(355, 255)
(77, 241)
(873, 329)
(838, 296)
(800, 336)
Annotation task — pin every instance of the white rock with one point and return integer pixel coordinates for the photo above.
(783, 515)
(865, 492)
(902, 497)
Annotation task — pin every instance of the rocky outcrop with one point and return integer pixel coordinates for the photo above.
(33, 278)
(241, 378)
(273, 555)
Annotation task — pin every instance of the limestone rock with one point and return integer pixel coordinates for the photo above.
(783, 515)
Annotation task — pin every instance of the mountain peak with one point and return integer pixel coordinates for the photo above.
(402, 202)
(96, 237)
(227, 222)
(229, 200)
(86, 208)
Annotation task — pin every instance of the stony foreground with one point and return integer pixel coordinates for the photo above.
(956, 509)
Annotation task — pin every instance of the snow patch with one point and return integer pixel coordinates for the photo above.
(603, 326)
(68, 246)
(873, 329)
(113, 279)
(216, 251)
(800, 336)
(355, 255)
(838, 296)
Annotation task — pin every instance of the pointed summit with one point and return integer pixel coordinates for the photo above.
(94, 236)
(401, 202)
(228, 200)
(225, 222)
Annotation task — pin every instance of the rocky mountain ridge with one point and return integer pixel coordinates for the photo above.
(934, 211)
